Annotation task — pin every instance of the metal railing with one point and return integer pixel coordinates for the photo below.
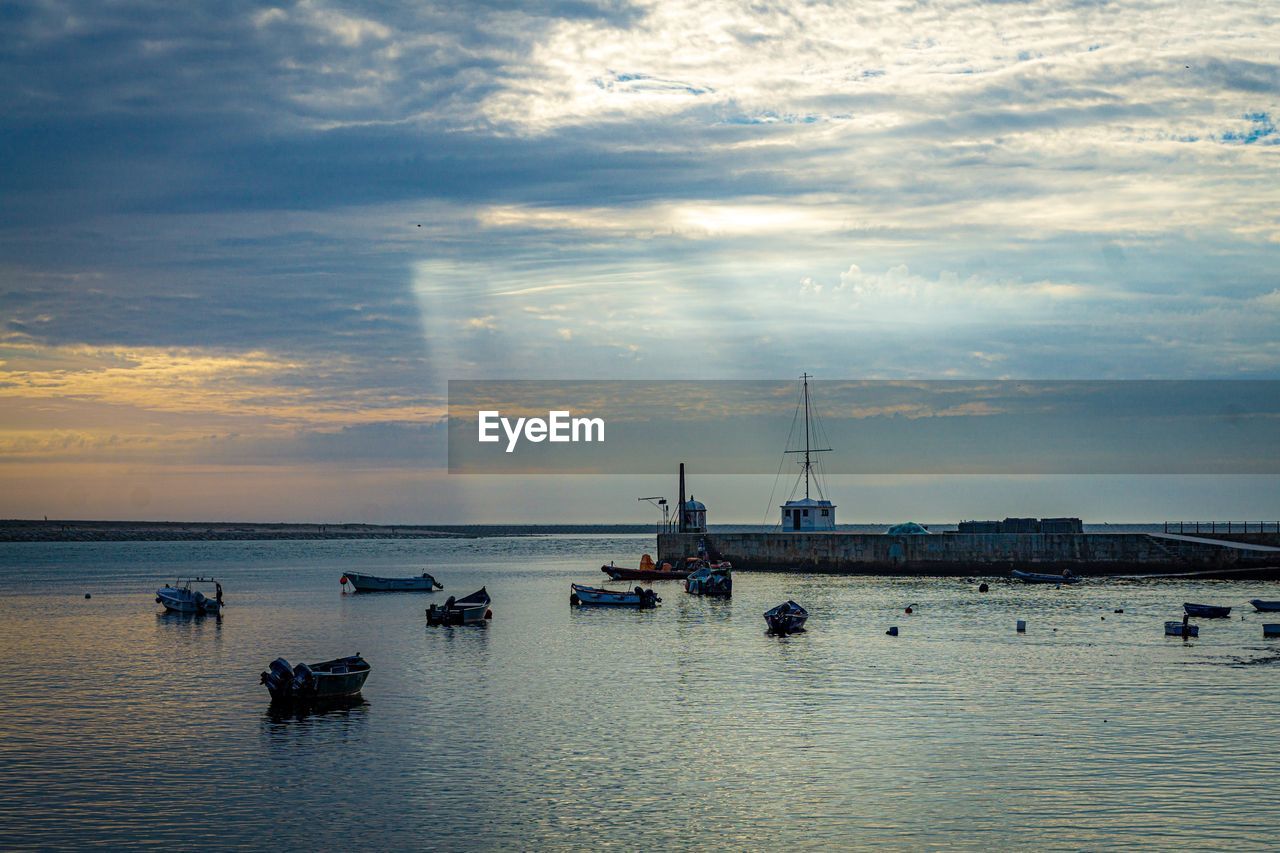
(1222, 527)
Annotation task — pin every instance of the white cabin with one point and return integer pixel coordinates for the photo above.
(808, 515)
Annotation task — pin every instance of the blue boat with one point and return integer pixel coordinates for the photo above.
(1265, 606)
(638, 597)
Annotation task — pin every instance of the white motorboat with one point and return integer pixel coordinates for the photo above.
(372, 583)
(184, 597)
(471, 609)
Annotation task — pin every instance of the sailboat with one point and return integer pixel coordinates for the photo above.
(809, 514)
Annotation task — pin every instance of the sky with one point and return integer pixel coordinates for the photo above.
(244, 247)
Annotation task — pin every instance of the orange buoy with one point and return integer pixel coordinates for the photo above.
(343, 581)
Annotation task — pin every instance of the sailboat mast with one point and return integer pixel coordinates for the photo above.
(806, 435)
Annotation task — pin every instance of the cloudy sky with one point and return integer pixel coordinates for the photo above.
(244, 246)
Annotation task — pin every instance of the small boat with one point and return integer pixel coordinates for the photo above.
(183, 598)
(650, 572)
(1270, 631)
(713, 579)
(1206, 611)
(1265, 606)
(1174, 629)
(787, 618)
(471, 609)
(638, 597)
(332, 679)
(371, 583)
(1034, 577)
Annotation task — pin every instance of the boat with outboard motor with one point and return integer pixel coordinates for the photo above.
(648, 571)
(372, 583)
(1036, 577)
(786, 618)
(471, 609)
(638, 597)
(183, 597)
(1181, 629)
(713, 579)
(331, 679)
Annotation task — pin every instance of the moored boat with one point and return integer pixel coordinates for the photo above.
(786, 618)
(648, 571)
(183, 597)
(638, 597)
(471, 609)
(713, 579)
(331, 679)
(1206, 611)
(1036, 577)
(1174, 629)
(1265, 606)
(372, 583)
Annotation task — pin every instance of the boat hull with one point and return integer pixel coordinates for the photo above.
(620, 574)
(1174, 629)
(1206, 611)
(317, 682)
(175, 602)
(1265, 606)
(786, 618)
(638, 598)
(373, 583)
(1035, 577)
(470, 610)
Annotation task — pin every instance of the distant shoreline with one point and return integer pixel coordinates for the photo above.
(23, 530)
(63, 530)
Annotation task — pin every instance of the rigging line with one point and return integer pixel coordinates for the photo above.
(781, 463)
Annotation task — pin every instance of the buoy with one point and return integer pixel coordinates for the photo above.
(488, 614)
(87, 595)
(892, 632)
(573, 599)
(909, 606)
(1118, 610)
(983, 588)
(344, 580)
(1022, 626)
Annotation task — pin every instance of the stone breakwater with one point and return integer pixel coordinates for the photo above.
(947, 554)
(22, 530)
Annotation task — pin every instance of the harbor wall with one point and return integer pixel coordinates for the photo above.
(962, 554)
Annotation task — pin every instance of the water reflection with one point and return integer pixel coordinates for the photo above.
(287, 722)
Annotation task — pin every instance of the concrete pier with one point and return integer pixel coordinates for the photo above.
(947, 554)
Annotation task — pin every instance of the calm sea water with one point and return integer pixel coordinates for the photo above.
(682, 727)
